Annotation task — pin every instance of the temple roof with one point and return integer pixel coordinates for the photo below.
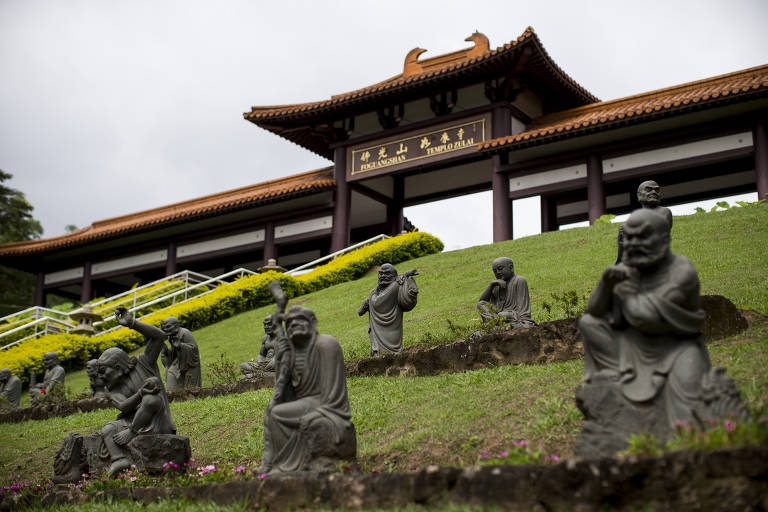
(420, 77)
(712, 92)
(202, 207)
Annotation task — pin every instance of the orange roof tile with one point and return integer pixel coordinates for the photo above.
(434, 67)
(711, 92)
(214, 204)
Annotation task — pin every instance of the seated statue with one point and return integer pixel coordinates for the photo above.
(506, 297)
(134, 387)
(98, 390)
(307, 423)
(385, 306)
(54, 376)
(649, 196)
(265, 362)
(182, 358)
(10, 390)
(642, 334)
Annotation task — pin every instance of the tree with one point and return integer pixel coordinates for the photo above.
(16, 224)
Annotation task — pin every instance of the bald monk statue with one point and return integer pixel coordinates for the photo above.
(53, 377)
(181, 358)
(265, 362)
(642, 332)
(134, 387)
(10, 390)
(649, 196)
(506, 298)
(385, 305)
(307, 423)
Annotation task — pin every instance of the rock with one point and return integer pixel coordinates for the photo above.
(150, 452)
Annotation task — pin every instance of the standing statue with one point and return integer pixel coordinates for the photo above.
(143, 434)
(307, 423)
(265, 362)
(54, 376)
(182, 358)
(506, 297)
(98, 390)
(385, 306)
(643, 346)
(649, 196)
(10, 390)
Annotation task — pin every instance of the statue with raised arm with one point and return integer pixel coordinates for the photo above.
(10, 390)
(385, 306)
(506, 297)
(307, 423)
(649, 196)
(53, 377)
(643, 346)
(181, 357)
(265, 362)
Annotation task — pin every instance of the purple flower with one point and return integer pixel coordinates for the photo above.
(521, 443)
(239, 469)
(504, 454)
(484, 455)
(679, 424)
(730, 426)
(263, 475)
(133, 479)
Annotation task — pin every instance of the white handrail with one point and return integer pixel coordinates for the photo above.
(45, 320)
(314, 263)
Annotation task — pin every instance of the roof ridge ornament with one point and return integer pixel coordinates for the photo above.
(413, 66)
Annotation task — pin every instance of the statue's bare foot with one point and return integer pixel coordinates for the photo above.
(119, 465)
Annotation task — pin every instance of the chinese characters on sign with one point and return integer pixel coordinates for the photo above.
(418, 146)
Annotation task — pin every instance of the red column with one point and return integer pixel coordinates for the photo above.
(595, 188)
(86, 293)
(270, 250)
(342, 201)
(760, 140)
(40, 290)
(170, 260)
(395, 206)
(502, 204)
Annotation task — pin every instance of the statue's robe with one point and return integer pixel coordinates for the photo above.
(385, 314)
(652, 340)
(52, 378)
(182, 364)
(318, 383)
(11, 391)
(513, 303)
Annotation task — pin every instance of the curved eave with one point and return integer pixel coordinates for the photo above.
(90, 235)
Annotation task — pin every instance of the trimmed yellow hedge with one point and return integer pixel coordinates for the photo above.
(244, 294)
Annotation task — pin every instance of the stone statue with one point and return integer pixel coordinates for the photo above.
(506, 297)
(98, 390)
(54, 376)
(182, 358)
(265, 362)
(385, 306)
(10, 390)
(307, 423)
(646, 366)
(143, 433)
(649, 196)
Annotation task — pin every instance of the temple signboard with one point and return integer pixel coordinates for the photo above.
(417, 147)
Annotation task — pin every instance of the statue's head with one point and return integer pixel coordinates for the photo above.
(50, 359)
(649, 194)
(5, 374)
(170, 326)
(503, 268)
(114, 364)
(300, 324)
(268, 327)
(152, 386)
(387, 274)
(646, 239)
(92, 368)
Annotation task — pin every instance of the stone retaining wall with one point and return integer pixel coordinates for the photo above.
(727, 479)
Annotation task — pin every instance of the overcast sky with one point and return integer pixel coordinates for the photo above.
(112, 107)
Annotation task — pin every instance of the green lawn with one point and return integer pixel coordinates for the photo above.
(406, 423)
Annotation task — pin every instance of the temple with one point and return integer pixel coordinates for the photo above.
(507, 119)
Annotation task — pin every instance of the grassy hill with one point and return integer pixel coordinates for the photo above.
(405, 423)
